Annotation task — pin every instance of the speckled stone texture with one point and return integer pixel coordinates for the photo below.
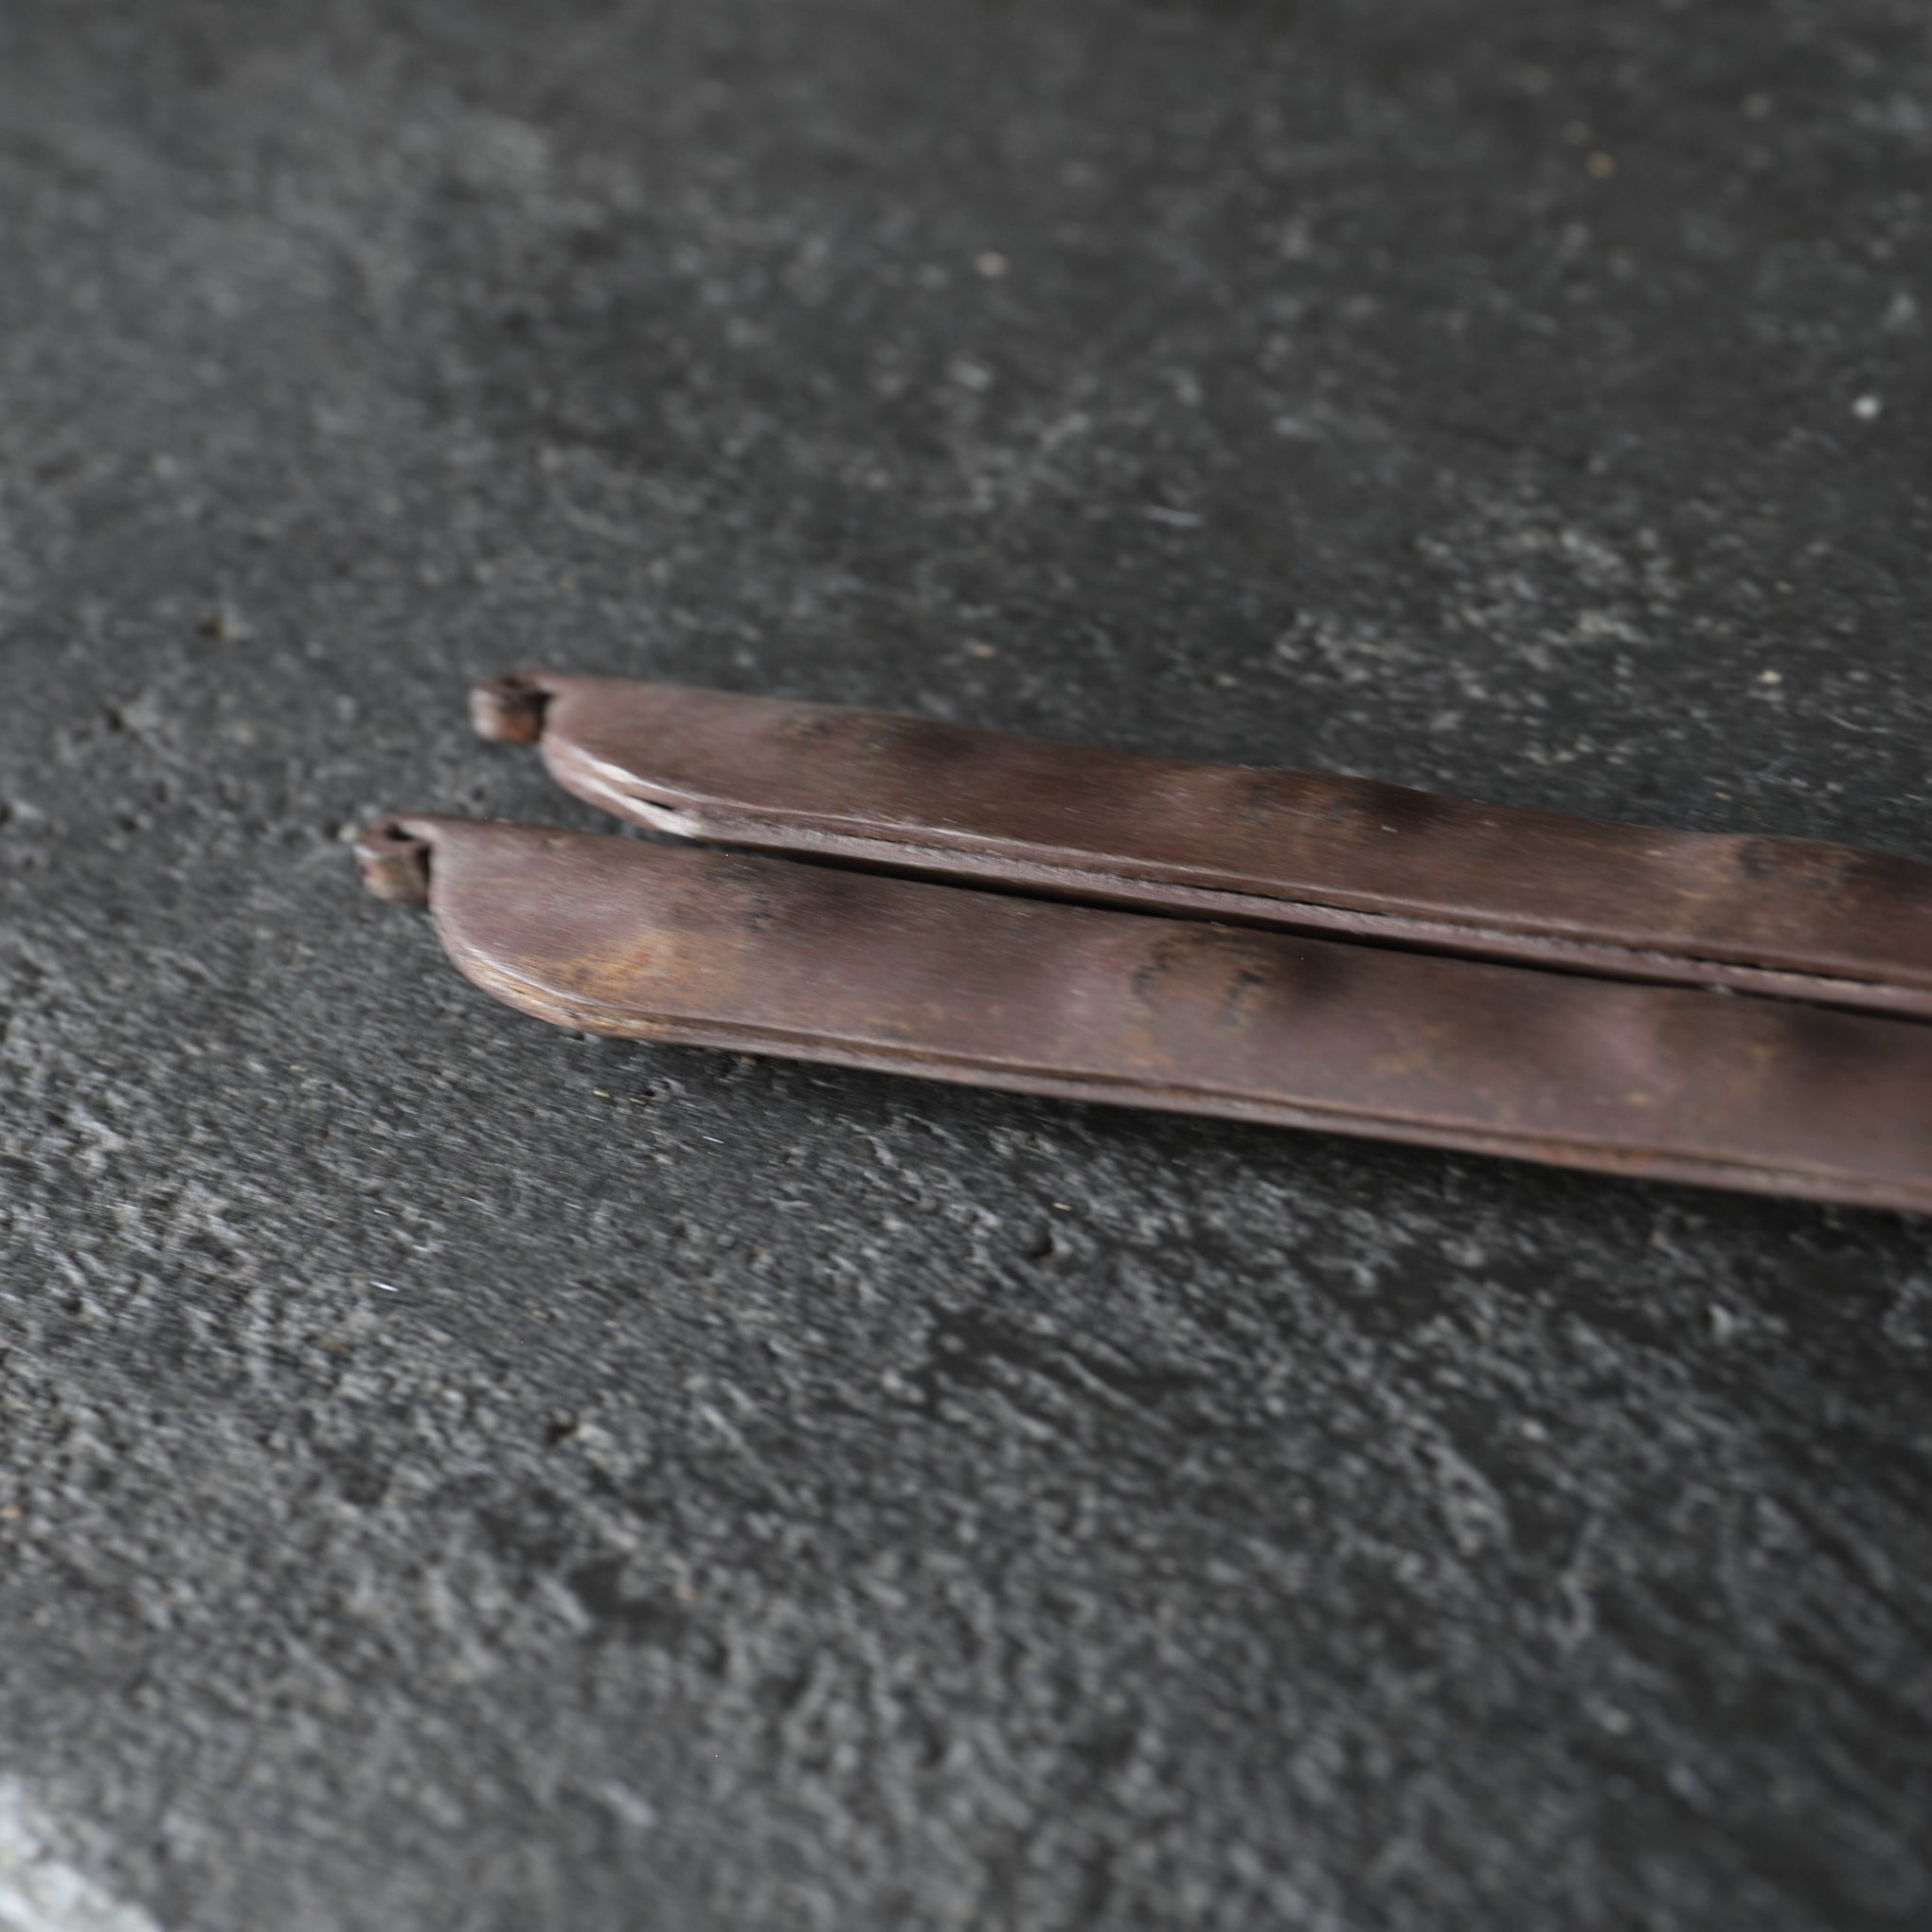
(459, 1476)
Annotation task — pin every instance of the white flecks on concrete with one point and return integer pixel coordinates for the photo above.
(39, 1891)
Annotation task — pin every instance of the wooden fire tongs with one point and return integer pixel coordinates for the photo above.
(1288, 947)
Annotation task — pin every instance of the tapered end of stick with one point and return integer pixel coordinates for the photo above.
(394, 862)
(510, 709)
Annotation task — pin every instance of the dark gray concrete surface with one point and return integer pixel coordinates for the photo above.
(458, 1474)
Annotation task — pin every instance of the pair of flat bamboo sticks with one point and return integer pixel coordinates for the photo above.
(1288, 947)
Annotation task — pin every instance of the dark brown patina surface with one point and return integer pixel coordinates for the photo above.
(1308, 851)
(662, 943)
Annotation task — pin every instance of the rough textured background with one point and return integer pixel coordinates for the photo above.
(456, 1475)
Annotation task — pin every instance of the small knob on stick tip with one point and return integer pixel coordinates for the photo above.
(510, 709)
(394, 862)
